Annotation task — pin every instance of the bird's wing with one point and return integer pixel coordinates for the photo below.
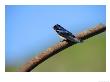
(65, 33)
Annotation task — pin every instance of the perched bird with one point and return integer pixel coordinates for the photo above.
(65, 35)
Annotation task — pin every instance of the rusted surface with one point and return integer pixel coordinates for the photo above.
(59, 47)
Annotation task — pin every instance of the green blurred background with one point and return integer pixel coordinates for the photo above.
(89, 56)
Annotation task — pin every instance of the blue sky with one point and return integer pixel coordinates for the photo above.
(29, 28)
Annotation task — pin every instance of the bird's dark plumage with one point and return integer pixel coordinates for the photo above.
(65, 33)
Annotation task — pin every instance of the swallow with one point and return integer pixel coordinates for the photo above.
(65, 34)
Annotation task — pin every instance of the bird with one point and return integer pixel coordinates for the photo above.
(65, 34)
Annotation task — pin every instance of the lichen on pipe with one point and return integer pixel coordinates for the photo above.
(38, 59)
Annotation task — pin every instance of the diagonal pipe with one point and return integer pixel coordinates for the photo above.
(34, 62)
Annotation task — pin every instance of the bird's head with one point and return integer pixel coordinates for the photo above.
(57, 27)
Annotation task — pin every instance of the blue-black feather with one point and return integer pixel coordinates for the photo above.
(65, 33)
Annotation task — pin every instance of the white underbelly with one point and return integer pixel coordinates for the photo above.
(62, 37)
